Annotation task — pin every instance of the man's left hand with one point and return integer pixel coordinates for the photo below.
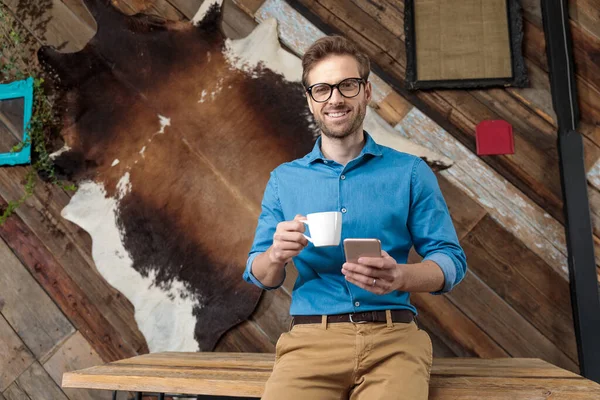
(379, 275)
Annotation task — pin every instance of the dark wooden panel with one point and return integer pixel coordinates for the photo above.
(454, 328)
(440, 349)
(503, 324)
(273, 313)
(537, 96)
(524, 281)
(389, 13)
(441, 338)
(587, 15)
(245, 337)
(534, 166)
(465, 211)
(534, 48)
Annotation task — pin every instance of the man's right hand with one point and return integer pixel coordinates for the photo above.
(288, 241)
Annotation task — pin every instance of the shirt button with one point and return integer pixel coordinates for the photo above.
(343, 177)
(325, 161)
(344, 210)
(357, 304)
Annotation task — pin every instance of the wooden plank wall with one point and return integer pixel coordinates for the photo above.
(513, 302)
(478, 318)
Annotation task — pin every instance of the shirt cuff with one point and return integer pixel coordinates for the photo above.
(249, 276)
(448, 268)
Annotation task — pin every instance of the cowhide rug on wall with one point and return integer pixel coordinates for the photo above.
(171, 130)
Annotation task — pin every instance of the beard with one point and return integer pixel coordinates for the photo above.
(341, 131)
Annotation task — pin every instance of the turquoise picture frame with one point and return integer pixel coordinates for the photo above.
(14, 90)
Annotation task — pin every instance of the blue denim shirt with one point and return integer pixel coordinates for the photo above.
(382, 194)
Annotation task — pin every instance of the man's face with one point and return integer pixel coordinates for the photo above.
(339, 116)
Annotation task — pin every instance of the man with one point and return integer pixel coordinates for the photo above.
(353, 334)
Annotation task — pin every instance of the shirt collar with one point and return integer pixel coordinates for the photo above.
(370, 147)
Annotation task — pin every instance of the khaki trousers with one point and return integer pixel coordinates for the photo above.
(353, 361)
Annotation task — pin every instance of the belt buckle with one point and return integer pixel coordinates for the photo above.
(355, 322)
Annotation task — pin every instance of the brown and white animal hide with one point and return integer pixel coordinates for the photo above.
(171, 132)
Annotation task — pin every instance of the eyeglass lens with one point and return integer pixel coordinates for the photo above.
(348, 88)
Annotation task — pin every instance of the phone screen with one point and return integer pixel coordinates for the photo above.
(356, 248)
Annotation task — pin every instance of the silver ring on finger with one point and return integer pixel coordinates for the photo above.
(374, 282)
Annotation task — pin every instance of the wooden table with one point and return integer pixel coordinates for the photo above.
(244, 375)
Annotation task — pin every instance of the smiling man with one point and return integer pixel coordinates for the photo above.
(353, 334)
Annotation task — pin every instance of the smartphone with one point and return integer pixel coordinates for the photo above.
(356, 248)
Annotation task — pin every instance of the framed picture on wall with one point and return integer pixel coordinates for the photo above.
(464, 44)
(16, 104)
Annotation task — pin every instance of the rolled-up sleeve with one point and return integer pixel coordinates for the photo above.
(270, 216)
(431, 228)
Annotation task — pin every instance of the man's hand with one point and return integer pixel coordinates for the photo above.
(380, 275)
(288, 241)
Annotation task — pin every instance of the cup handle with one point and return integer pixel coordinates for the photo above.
(305, 222)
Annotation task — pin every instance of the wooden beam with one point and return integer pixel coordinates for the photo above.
(580, 244)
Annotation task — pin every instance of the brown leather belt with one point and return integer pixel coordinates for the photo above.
(403, 316)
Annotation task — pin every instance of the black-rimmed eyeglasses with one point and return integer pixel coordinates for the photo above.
(321, 92)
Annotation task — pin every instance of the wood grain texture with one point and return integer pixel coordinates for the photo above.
(524, 281)
(52, 23)
(187, 7)
(587, 15)
(273, 313)
(393, 108)
(525, 220)
(160, 8)
(251, 6)
(70, 246)
(236, 23)
(38, 385)
(30, 312)
(245, 375)
(245, 337)
(74, 301)
(465, 211)
(14, 392)
(76, 353)
(457, 330)
(522, 169)
(503, 324)
(15, 357)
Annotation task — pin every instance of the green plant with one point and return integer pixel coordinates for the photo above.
(18, 61)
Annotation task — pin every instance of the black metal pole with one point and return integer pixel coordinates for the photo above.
(580, 244)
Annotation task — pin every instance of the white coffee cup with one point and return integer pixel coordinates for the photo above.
(325, 228)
